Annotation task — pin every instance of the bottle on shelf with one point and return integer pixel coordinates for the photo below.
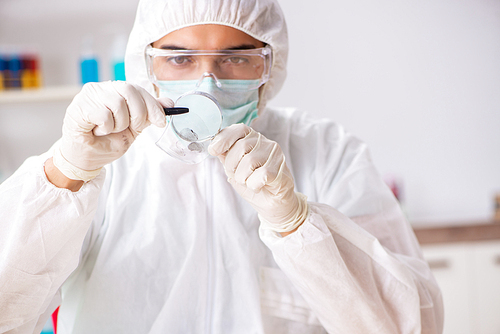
(19, 68)
(3, 69)
(89, 65)
(118, 55)
(30, 75)
(13, 74)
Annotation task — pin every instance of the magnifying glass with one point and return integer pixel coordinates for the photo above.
(194, 121)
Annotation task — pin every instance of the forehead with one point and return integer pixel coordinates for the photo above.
(207, 37)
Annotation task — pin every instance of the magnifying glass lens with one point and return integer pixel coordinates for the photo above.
(188, 135)
(203, 120)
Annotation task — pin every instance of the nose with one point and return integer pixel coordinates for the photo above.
(208, 64)
(208, 75)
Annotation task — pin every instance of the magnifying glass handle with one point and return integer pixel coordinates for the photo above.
(175, 111)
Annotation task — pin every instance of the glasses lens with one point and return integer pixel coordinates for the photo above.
(167, 65)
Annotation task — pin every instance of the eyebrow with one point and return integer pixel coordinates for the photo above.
(238, 47)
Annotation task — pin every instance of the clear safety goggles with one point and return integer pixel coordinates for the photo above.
(223, 65)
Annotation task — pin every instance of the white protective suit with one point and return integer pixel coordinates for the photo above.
(153, 245)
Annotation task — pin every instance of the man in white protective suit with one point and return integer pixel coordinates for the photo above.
(285, 228)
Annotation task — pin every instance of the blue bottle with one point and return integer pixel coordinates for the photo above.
(14, 72)
(89, 65)
(118, 55)
(89, 70)
(3, 73)
(119, 70)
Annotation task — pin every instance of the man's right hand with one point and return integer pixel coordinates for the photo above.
(101, 123)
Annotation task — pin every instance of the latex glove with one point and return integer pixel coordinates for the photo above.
(256, 168)
(101, 123)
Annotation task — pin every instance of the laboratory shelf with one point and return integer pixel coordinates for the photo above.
(45, 94)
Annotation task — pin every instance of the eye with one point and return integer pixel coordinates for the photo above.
(236, 60)
(179, 60)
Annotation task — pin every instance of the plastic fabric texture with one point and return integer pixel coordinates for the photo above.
(354, 265)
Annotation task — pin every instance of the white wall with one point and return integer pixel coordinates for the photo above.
(419, 81)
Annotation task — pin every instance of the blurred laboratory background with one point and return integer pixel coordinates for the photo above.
(418, 81)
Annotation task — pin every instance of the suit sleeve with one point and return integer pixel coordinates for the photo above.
(42, 230)
(355, 259)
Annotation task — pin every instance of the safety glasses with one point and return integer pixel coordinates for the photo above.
(226, 66)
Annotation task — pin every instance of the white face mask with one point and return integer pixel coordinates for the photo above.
(238, 103)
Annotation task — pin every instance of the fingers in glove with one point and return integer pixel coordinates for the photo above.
(143, 109)
(240, 149)
(154, 107)
(226, 139)
(252, 160)
(110, 110)
(268, 172)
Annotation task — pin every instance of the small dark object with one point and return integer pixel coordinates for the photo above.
(175, 111)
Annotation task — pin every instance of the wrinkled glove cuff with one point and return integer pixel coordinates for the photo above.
(70, 171)
(294, 222)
